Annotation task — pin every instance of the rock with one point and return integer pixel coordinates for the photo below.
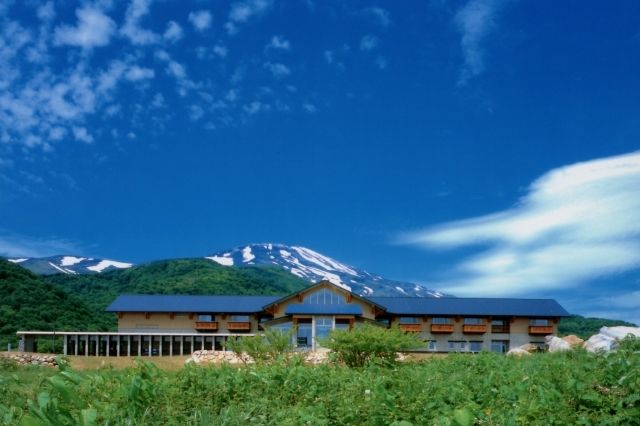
(531, 348)
(573, 341)
(607, 339)
(556, 344)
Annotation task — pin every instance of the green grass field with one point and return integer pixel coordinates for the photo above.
(459, 389)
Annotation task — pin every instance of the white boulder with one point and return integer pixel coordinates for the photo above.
(607, 339)
(556, 344)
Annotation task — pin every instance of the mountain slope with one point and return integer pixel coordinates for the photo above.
(313, 266)
(27, 302)
(177, 276)
(66, 264)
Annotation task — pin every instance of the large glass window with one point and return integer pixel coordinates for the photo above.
(206, 318)
(500, 346)
(343, 324)
(440, 320)
(475, 346)
(474, 321)
(540, 322)
(323, 327)
(304, 335)
(239, 318)
(457, 346)
(409, 320)
(324, 296)
(499, 326)
(432, 345)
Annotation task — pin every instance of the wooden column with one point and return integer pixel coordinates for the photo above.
(106, 352)
(150, 344)
(97, 336)
(118, 345)
(181, 345)
(129, 345)
(77, 344)
(171, 345)
(86, 346)
(64, 344)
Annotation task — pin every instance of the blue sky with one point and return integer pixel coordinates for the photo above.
(484, 147)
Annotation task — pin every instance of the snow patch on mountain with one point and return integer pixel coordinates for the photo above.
(104, 264)
(22, 259)
(71, 260)
(313, 267)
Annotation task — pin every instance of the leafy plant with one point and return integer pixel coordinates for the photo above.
(270, 346)
(368, 343)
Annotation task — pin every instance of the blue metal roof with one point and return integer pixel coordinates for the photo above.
(189, 303)
(308, 309)
(449, 306)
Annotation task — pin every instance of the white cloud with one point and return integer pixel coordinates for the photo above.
(131, 29)
(220, 50)
(308, 107)
(575, 224)
(14, 245)
(94, 29)
(278, 70)
(380, 15)
(46, 12)
(173, 32)
(243, 11)
(474, 21)
(369, 42)
(255, 107)
(82, 134)
(278, 43)
(201, 20)
(136, 73)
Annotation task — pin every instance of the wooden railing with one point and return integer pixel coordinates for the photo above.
(206, 325)
(474, 328)
(413, 328)
(239, 326)
(442, 328)
(500, 329)
(541, 329)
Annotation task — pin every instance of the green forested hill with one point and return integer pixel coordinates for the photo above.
(29, 303)
(181, 276)
(586, 327)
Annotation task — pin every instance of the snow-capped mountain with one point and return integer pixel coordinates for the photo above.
(68, 265)
(313, 267)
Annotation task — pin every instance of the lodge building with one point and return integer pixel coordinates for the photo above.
(180, 324)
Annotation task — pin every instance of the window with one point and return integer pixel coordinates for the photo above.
(432, 345)
(475, 346)
(324, 296)
(323, 327)
(540, 322)
(206, 318)
(409, 320)
(342, 324)
(457, 346)
(438, 320)
(499, 326)
(239, 318)
(474, 321)
(500, 346)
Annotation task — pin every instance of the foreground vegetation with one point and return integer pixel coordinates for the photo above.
(546, 389)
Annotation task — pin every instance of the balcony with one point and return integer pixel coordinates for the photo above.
(206, 325)
(412, 328)
(500, 329)
(239, 326)
(442, 328)
(474, 328)
(541, 329)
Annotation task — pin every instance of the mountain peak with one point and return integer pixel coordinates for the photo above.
(313, 266)
(68, 264)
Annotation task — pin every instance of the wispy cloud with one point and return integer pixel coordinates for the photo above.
(379, 15)
(132, 30)
(94, 29)
(369, 42)
(243, 11)
(278, 70)
(278, 43)
(15, 245)
(173, 32)
(475, 21)
(201, 20)
(576, 223)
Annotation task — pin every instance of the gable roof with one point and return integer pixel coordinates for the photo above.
(323, 283)
(189, 303)
(448, 306)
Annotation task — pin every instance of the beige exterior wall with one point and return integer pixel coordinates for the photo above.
(518, 333)
(180, 323)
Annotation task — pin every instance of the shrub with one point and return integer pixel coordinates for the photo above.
(270, 346)
(368, 343)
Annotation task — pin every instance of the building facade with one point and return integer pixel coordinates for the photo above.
(180, 324)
